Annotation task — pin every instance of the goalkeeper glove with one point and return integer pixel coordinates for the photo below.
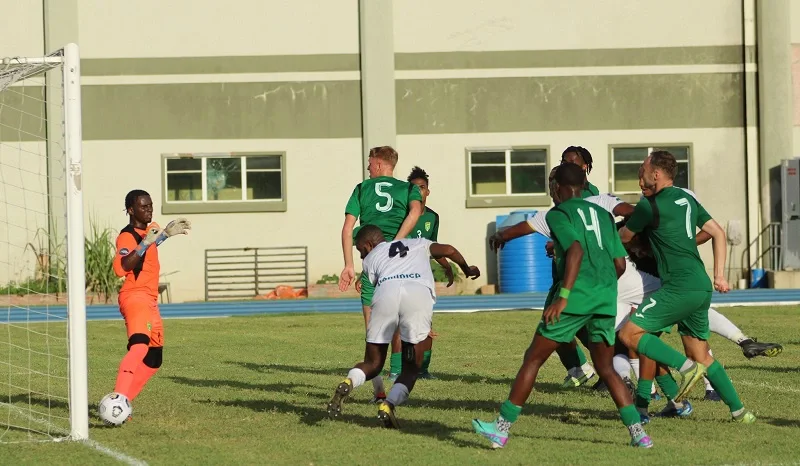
(153, 233)
(179, 226)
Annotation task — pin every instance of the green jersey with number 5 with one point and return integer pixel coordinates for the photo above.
(383, 202)
(670, 218)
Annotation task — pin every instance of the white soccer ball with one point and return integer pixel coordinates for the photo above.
(114, 409)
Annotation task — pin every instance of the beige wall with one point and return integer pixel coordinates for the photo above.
(316, 195)
(442, 156)
(186, 28)
(21, 32)
(475, 25)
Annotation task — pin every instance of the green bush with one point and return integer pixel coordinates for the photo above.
(328, 280)
(99, 251)
(439, 275)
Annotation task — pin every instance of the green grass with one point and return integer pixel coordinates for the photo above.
(253, 391)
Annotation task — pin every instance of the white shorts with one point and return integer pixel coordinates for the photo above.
(401, 303)
(632, 288)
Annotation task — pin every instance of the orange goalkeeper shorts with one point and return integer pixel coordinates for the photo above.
(141, 315)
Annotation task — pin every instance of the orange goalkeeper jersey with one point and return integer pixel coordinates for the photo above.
(143, 278)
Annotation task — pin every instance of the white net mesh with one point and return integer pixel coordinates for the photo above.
(34, 387)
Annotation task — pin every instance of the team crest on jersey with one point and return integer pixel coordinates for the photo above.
(427, 226)
(123, 252)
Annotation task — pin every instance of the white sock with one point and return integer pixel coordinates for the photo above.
(635, 367)
(622, 366)
(377, 385)
(398, 395)
(357, 376)
(720, 325)
(587, 369)
(687, 365)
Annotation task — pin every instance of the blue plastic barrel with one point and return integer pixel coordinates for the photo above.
(522, 264)
(758, 278)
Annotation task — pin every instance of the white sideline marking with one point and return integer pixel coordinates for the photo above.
(119, 456)
(768, 387)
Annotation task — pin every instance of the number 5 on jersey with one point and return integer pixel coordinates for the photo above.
(379, 187)
(594, 226)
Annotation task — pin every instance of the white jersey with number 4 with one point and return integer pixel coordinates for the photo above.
(402, 260)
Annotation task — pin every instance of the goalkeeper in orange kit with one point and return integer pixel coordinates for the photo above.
(136, 260)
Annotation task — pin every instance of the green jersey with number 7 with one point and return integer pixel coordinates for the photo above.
(383, 202)
(671, 218)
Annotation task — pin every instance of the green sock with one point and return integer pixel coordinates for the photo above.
(722, 384)
(653, 348)
(643, 390)
(396, 363)
(426, 361)
(629, 415)
(570, 357)
(668, 385)
(509, 411)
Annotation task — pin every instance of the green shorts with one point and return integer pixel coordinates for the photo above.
(367, 290)
(669, 306)
(600, 327)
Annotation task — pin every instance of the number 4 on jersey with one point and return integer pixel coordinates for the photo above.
(594, 226)
(398, 248)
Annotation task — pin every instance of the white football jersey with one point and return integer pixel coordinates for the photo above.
(607, 201)
(406, 259)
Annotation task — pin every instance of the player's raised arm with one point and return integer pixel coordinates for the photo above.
(439, 250)
(348, 273)
(500, 238)
(414, 211)
(134, 257)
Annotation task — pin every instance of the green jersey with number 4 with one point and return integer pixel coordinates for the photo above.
(427, 226)
(383, 202)
(594, 229)
(670, 218)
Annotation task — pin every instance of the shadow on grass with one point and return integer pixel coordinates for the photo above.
(313, 416)
(781, 422)
(755, 367)
(297, 388)
(544, 387)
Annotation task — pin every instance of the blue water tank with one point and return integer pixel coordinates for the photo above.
(522, 264)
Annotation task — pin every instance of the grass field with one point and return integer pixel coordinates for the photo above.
(253, 391)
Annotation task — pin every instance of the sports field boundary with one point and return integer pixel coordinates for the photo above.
(452, 304)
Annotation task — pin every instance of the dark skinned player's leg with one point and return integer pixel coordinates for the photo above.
(602, 356)
(537, 353)
(374, 358)
(412, 356)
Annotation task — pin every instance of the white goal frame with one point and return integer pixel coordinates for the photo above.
(69, 60)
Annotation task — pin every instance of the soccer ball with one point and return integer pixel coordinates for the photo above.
(114, 409)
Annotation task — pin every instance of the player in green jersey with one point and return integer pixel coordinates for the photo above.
(590, 258)
(427, 227)
(583, 158)
(392, 205)
(670, 218)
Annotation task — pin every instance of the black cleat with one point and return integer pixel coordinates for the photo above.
(712, 395)
(600, 386)
(752, 348)
(339, 396)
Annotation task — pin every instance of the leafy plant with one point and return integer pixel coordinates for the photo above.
(328, 280)
(51, 274)
(99, 251)
(439, 274)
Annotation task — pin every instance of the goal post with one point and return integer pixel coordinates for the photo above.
(43, 349)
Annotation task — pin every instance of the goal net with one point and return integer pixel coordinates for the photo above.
(43, 368)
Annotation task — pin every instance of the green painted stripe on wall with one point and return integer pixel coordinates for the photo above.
(333, 109)
(569, 103)
(22, 114)
(212, 65)
(706, 55)
(223, 111)
(711, 55)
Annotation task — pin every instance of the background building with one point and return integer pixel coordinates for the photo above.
(268, 97)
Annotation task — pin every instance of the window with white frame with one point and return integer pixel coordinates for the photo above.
(626, 160)
(507, 172)
(191, 179)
